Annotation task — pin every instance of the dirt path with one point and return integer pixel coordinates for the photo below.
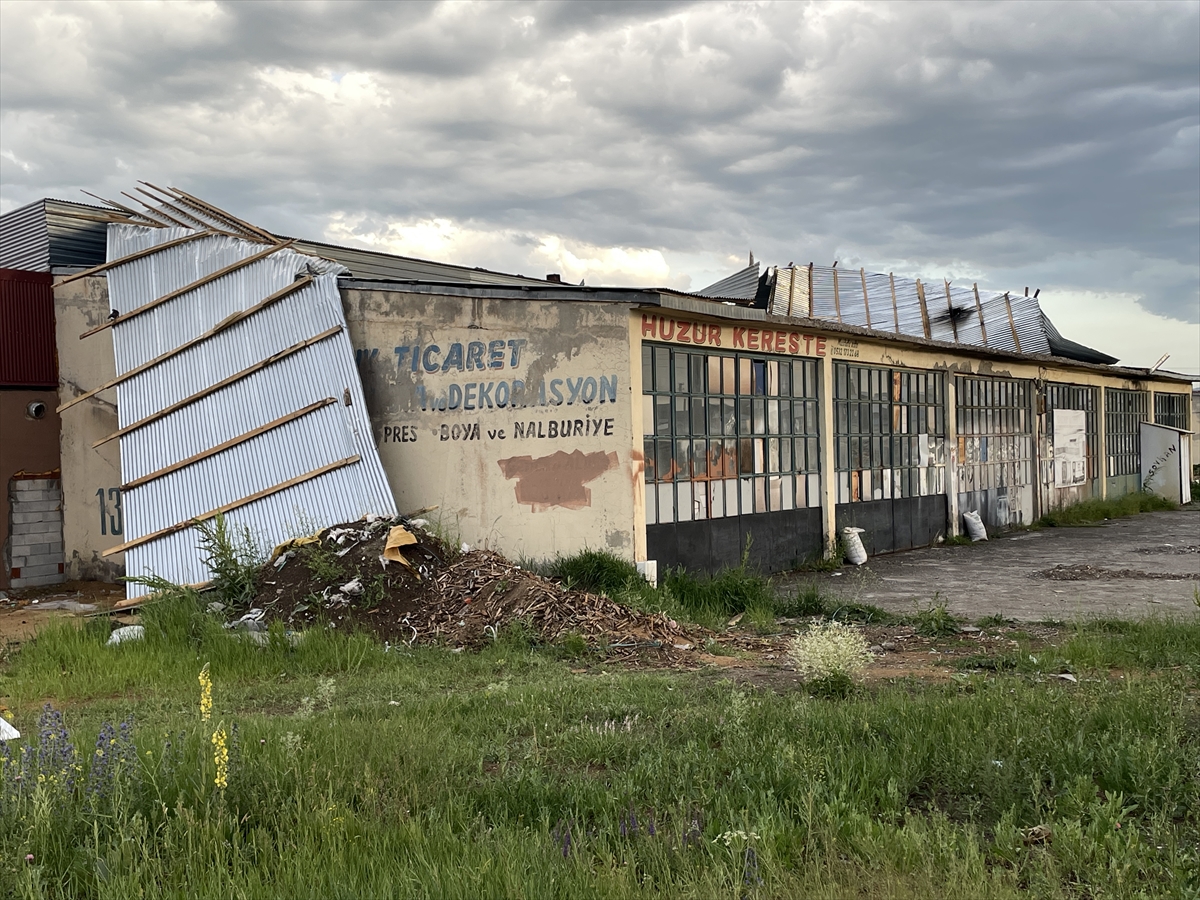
(23, 612)
(1134, 567)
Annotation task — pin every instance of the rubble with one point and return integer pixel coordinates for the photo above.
(393, 578)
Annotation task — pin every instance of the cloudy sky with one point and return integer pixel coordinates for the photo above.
(1055, 145)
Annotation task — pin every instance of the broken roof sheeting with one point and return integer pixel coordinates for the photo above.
(741, 285)
(307, 388)
(937, 311)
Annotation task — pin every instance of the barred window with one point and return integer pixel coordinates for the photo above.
(995, 432)
(727, 434)
(1171, 410)
(1124, 411)
(1077, 397)
(889, 430)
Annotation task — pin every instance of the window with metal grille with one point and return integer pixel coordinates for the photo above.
(889, 432)
(1077, 397)
(995, 432)
(1124, 411)
(727, 434)
(1171, 409)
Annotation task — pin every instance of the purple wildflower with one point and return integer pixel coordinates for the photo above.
(114, 757)
(750, 874)
(561, 835)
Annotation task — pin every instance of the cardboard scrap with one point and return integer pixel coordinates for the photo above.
(399, 537)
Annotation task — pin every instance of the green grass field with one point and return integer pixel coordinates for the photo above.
(520, 771)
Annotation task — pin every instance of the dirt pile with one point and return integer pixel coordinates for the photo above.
(427, 592)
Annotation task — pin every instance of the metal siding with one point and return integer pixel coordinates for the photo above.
(27, 348)
(321, 370)
(74, 238)
(24, 240)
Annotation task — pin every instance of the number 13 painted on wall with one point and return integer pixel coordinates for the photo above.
(114, 522)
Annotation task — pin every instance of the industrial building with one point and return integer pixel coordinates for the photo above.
(756, 418)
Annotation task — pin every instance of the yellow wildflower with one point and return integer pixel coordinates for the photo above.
(221, 758)
(205, 694)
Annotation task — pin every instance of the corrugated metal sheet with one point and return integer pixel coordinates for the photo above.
(27, 330)
(48, 233)
(370, 264)
(24, 240)
(741, 285)
(320, 371)
(936, 310)
(77, 235)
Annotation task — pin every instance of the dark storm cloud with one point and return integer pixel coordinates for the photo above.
(1048, 143)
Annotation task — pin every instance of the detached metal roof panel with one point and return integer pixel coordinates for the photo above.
(936, 311)
(316, 467)
(741, 285)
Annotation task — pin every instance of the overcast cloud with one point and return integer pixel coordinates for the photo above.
(1055, 145)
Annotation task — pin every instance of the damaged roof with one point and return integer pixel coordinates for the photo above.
(944, 312)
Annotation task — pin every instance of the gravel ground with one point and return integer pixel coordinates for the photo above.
(1134, 567)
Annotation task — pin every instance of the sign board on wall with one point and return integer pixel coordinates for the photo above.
(1070, 447)
(761, 338)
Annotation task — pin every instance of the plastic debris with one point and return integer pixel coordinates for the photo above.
(126, 633)
(7, 732)
(251, 621)
(975, 528)
(68, 605)
(856, 553)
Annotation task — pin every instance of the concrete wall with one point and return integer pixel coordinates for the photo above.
(91, 478)
(514, 418)
(28, 445)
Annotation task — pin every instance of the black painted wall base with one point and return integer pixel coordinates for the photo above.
(892, 525)
(778, 541)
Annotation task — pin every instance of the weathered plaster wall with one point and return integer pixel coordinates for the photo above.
(512, 417)
(91, 479)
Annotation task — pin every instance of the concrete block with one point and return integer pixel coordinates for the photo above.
(24, 519)
(18, 561)
(37, 484)
(36, 550)
(56, 547)
(37, 506)
(35, 571)
(19, 498)
(38, 528)
(39, 580)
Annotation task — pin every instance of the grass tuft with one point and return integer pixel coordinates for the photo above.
(1091, 511)
(935, 620)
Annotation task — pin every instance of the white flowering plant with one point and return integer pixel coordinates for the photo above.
(830, 649)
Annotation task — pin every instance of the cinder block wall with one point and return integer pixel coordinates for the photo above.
(36, 535)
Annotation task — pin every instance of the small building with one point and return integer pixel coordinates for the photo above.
(754, 419)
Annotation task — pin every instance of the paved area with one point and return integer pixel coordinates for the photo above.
(1134, 567)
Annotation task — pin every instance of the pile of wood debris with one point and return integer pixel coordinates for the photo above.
(394, 578)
